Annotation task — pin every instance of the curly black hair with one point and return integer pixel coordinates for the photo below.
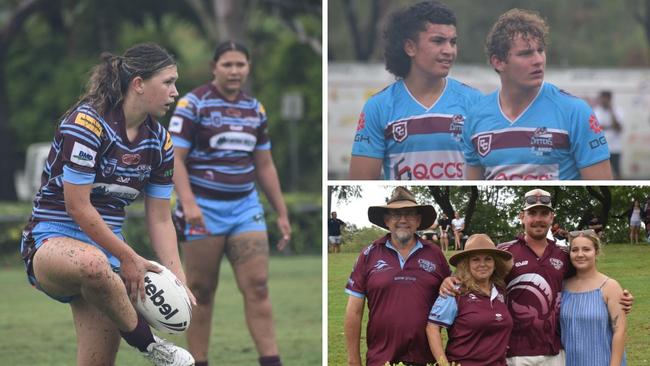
(405, 24)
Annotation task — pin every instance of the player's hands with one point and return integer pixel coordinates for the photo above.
(285, 230)
(132, 270)
(193, 215)
(449, 287)
(627, 300)
(190, 294)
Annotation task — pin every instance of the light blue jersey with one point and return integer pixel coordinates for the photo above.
(556, 136)
(414, 141)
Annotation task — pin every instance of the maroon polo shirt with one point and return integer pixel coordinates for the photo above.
(534, 288)
(399, 299)
(478, 325)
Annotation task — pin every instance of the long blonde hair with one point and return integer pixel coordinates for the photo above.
(468, 283)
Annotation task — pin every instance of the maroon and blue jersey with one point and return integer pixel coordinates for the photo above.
(222, 136)
(400, 293)
(534, 288)
(93, 149)
(479, 327)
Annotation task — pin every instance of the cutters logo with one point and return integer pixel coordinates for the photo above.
(427, 265)
(556, 263)
(484, 144)
(541, 143)
(131, 159)
(362, 122)
(456, 127)
(400, 131)
(594, 124)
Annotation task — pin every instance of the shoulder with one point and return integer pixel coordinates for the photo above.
(612, 287)
(85, 118)
(508, 246)
(384, 96)
(564, 98)
(463, 90)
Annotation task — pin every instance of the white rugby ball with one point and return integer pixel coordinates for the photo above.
(166, 306)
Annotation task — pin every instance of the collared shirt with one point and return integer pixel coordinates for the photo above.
(534, 288)
(478, 327)
(414, 141)
(555, 137)
(400, 292)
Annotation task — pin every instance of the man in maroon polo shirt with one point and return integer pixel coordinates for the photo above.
(400, 275)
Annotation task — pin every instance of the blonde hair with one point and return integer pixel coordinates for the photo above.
(589, 234)
(525, 23)
(468, 283)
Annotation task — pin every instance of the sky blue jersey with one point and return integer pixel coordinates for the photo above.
(414, 141)
(552, 139)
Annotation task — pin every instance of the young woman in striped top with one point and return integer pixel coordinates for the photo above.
(592, 320)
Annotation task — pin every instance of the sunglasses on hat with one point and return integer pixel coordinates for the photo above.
(577, 233)
(531, 200)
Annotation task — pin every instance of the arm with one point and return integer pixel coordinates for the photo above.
(362, 167)
(613, 292)
(435, 343)
(449, 287)
(598, 171)
(163, 237)
(474, 172)
(81, 210)
(191, 210)
(267, 178)
(353, 317)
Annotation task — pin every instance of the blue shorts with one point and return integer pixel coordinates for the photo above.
(46, 230)
(225, 217)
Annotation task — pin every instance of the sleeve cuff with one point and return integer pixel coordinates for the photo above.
(180, 142)
(354, 293)
(76, 177)
(162, 191)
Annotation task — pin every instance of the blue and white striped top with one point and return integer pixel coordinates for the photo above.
(585, 328)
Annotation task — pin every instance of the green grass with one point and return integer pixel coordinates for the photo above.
(626, 263)
(36, 330)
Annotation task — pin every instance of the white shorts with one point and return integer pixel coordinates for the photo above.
(335, 240)
(557, 360)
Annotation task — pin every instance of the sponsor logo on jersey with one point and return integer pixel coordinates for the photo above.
(428, 165)
(380, 265)
(115, 190)
(456, 127)
(523, 172)
(236, 127)
(168, 142)
(498, 317)
(233, 112)
(233, 140)
(472, 298)
(262, 109)
(361, 138)
(595, 143)
(501, 298)
(522, 263)
(541, 143)
(594, 124)
(83, 155)
(400, 131)
(109, 169)
(131, 159)
(182, 103)
(361, 124)
(556, 263)
(90, 123)
(484, 144)
(350, 282)
(143, 171)
(168, 173)
(122, 179)
(427, 265)
(176, 124)
(258, 218)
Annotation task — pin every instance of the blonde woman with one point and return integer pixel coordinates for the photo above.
(477, 321)
(592, 320)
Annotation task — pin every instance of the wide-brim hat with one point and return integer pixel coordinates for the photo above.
(537, 193)
(402, 198)
(479, 244)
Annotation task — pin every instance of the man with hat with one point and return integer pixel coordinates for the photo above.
(400, 275)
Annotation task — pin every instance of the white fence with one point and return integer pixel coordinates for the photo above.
(351, 84)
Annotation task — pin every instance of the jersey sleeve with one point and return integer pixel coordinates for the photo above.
(470, 153)
(182, 125)
(444, 311)
(356, 285)
(263, 140)
(369, 139)
(587, 138)
(160, 181)
(80, 147)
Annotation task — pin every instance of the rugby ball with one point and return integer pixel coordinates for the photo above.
(166, 306)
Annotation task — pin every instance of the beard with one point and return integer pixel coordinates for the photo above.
(402, 236)
(533, 234)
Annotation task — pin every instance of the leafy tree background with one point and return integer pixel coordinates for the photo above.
(47, 48)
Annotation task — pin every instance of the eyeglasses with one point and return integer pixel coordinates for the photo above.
(577, 233)
(396, 215)
(545, 200)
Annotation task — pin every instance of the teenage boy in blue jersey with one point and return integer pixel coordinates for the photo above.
(529, 129)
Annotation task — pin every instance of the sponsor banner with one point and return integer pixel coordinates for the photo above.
(89, 122)
(115, 190)
(83, 155)
(176, 124)
(427, 165)
(523, 172)
(233, 140)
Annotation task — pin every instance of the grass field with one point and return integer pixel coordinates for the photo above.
(35, 330)
(628, 264)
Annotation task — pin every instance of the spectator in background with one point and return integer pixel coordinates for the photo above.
(458, 225)
(610, 120)
(334, 232)
(634, 214)
(596, 225)
(558, 232)
(443, 227)
(646, 218)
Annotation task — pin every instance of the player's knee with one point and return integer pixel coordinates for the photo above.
(203, 293)
(258, 289)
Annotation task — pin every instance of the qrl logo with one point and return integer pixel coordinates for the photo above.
(158, 300)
